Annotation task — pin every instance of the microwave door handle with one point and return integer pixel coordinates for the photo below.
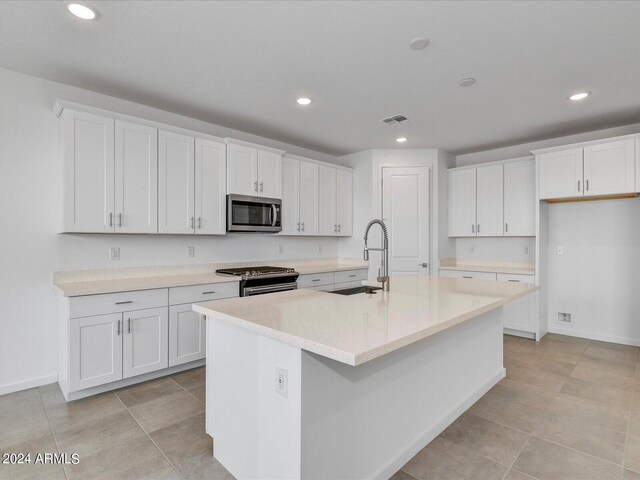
(274, 215)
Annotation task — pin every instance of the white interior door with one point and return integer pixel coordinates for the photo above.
(269, 174)
(406, 212)
(327, 224)
(290, 195)
(145, 343)
(175, 183)
(308, 198)
(489, 201)
(187, 339)
(136, 178)
(210, 186)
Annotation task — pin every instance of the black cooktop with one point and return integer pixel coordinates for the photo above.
(259, 271)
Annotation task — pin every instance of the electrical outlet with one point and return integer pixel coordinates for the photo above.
(525, 249)
(114, 253)
(472, 249)
(559, 251)
(282, 382)
(191, 251)
(281, 249)
(564, 317)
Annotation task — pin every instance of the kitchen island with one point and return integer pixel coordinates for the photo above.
(308, 384)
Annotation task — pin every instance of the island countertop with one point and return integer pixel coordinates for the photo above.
(358, 328)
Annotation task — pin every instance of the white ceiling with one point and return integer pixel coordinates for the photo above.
(242, 64)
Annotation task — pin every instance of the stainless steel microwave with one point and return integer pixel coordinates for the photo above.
(246, 213)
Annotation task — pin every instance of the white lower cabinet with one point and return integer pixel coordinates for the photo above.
(468, 275)
(187, 339)
(145, 340)
(95, 349)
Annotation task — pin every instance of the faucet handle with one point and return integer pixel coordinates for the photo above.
(366, 254)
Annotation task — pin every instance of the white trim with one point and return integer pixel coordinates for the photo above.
(60, 105)
(594, 336)
(319, 162)
(230, 140)
(518, 333)
(430, 434)
(497, 162)
(26, 384)
(584, 144)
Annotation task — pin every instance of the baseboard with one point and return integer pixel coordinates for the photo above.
(519, 333)
(34, 382)
(595, 336)
(429, 435)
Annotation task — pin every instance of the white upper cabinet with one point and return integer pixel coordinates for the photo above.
(254, 171)
(87, 146)
(519, 198)
(176, 182)
(344, 202)
(489, 201)
(136, 178)
(327, 224)
(242, 170)
(210, 180)
(561, 174)
(290, 196)
(609, 168)
(308, 198)
(462, 203)
(269, 174)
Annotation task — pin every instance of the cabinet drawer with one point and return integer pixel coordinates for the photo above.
(516, 278)
(315, 280)
(465, 274)
(203, 293)
(117, 302)
(351, 276)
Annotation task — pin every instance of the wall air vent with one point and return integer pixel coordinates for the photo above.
(395, 120)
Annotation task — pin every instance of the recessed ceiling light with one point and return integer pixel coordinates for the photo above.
(303, 101)
(419, 43)
(579, 96)
(401, 139)
(81, 11)
(467, 82)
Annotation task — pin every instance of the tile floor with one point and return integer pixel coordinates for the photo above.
(568, 409)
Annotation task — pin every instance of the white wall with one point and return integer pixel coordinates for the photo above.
(597, 279)
(31, 206)
(505, 249)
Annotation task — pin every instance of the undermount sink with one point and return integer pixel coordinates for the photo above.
(356, 290)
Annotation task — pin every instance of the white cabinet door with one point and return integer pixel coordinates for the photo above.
(136, 178)
(462, 203)
(520, 198)
(344, 202)
(290, 219)
(609, 168)
(96, 350)
(327, 224)
(308, 205)
(519, 315)
(489, 201)
(468, 275)
(242, 170)
(145, 341)
(187, 339)
(561, 174)
(87, 143)
(210, 185)
(269, 174)
(175, 183)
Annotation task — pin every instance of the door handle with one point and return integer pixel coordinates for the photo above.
(274, 215)
(423, 265)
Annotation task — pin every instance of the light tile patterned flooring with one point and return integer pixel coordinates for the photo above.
(569, 409)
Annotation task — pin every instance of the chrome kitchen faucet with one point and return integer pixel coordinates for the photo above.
(384, 278)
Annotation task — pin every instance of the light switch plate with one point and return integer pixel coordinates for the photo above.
(559, 251)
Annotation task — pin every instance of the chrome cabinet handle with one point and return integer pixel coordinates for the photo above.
(587, 184)
(209, 293)
(517, 281)
(121, 220)
(423, 265)
(298, 226)
(339, 227)
(192, 222)
(316, 280)
(473, 228)
(111, 219)
(478, 229)
(129, 322)
(262, 186)
(506, 227)
(578, 185)
(199, 222)
(335, 227)
(466, 277)
(124, 303)
(302, 226)
(354, 275)
(118, 327)
(255, 186)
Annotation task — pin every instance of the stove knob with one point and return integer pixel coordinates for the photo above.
(247, 273)
(254, 273)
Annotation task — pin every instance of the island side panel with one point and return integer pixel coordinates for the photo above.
(256, 430)
(367, 421)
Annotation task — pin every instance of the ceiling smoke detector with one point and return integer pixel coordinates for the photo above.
(395, 120)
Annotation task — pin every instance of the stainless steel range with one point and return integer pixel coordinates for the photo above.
(263, 279)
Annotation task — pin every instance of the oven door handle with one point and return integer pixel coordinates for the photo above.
(274, 215)
(281, 287)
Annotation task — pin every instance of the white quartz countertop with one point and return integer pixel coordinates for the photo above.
(358, 328)
(94, 282)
